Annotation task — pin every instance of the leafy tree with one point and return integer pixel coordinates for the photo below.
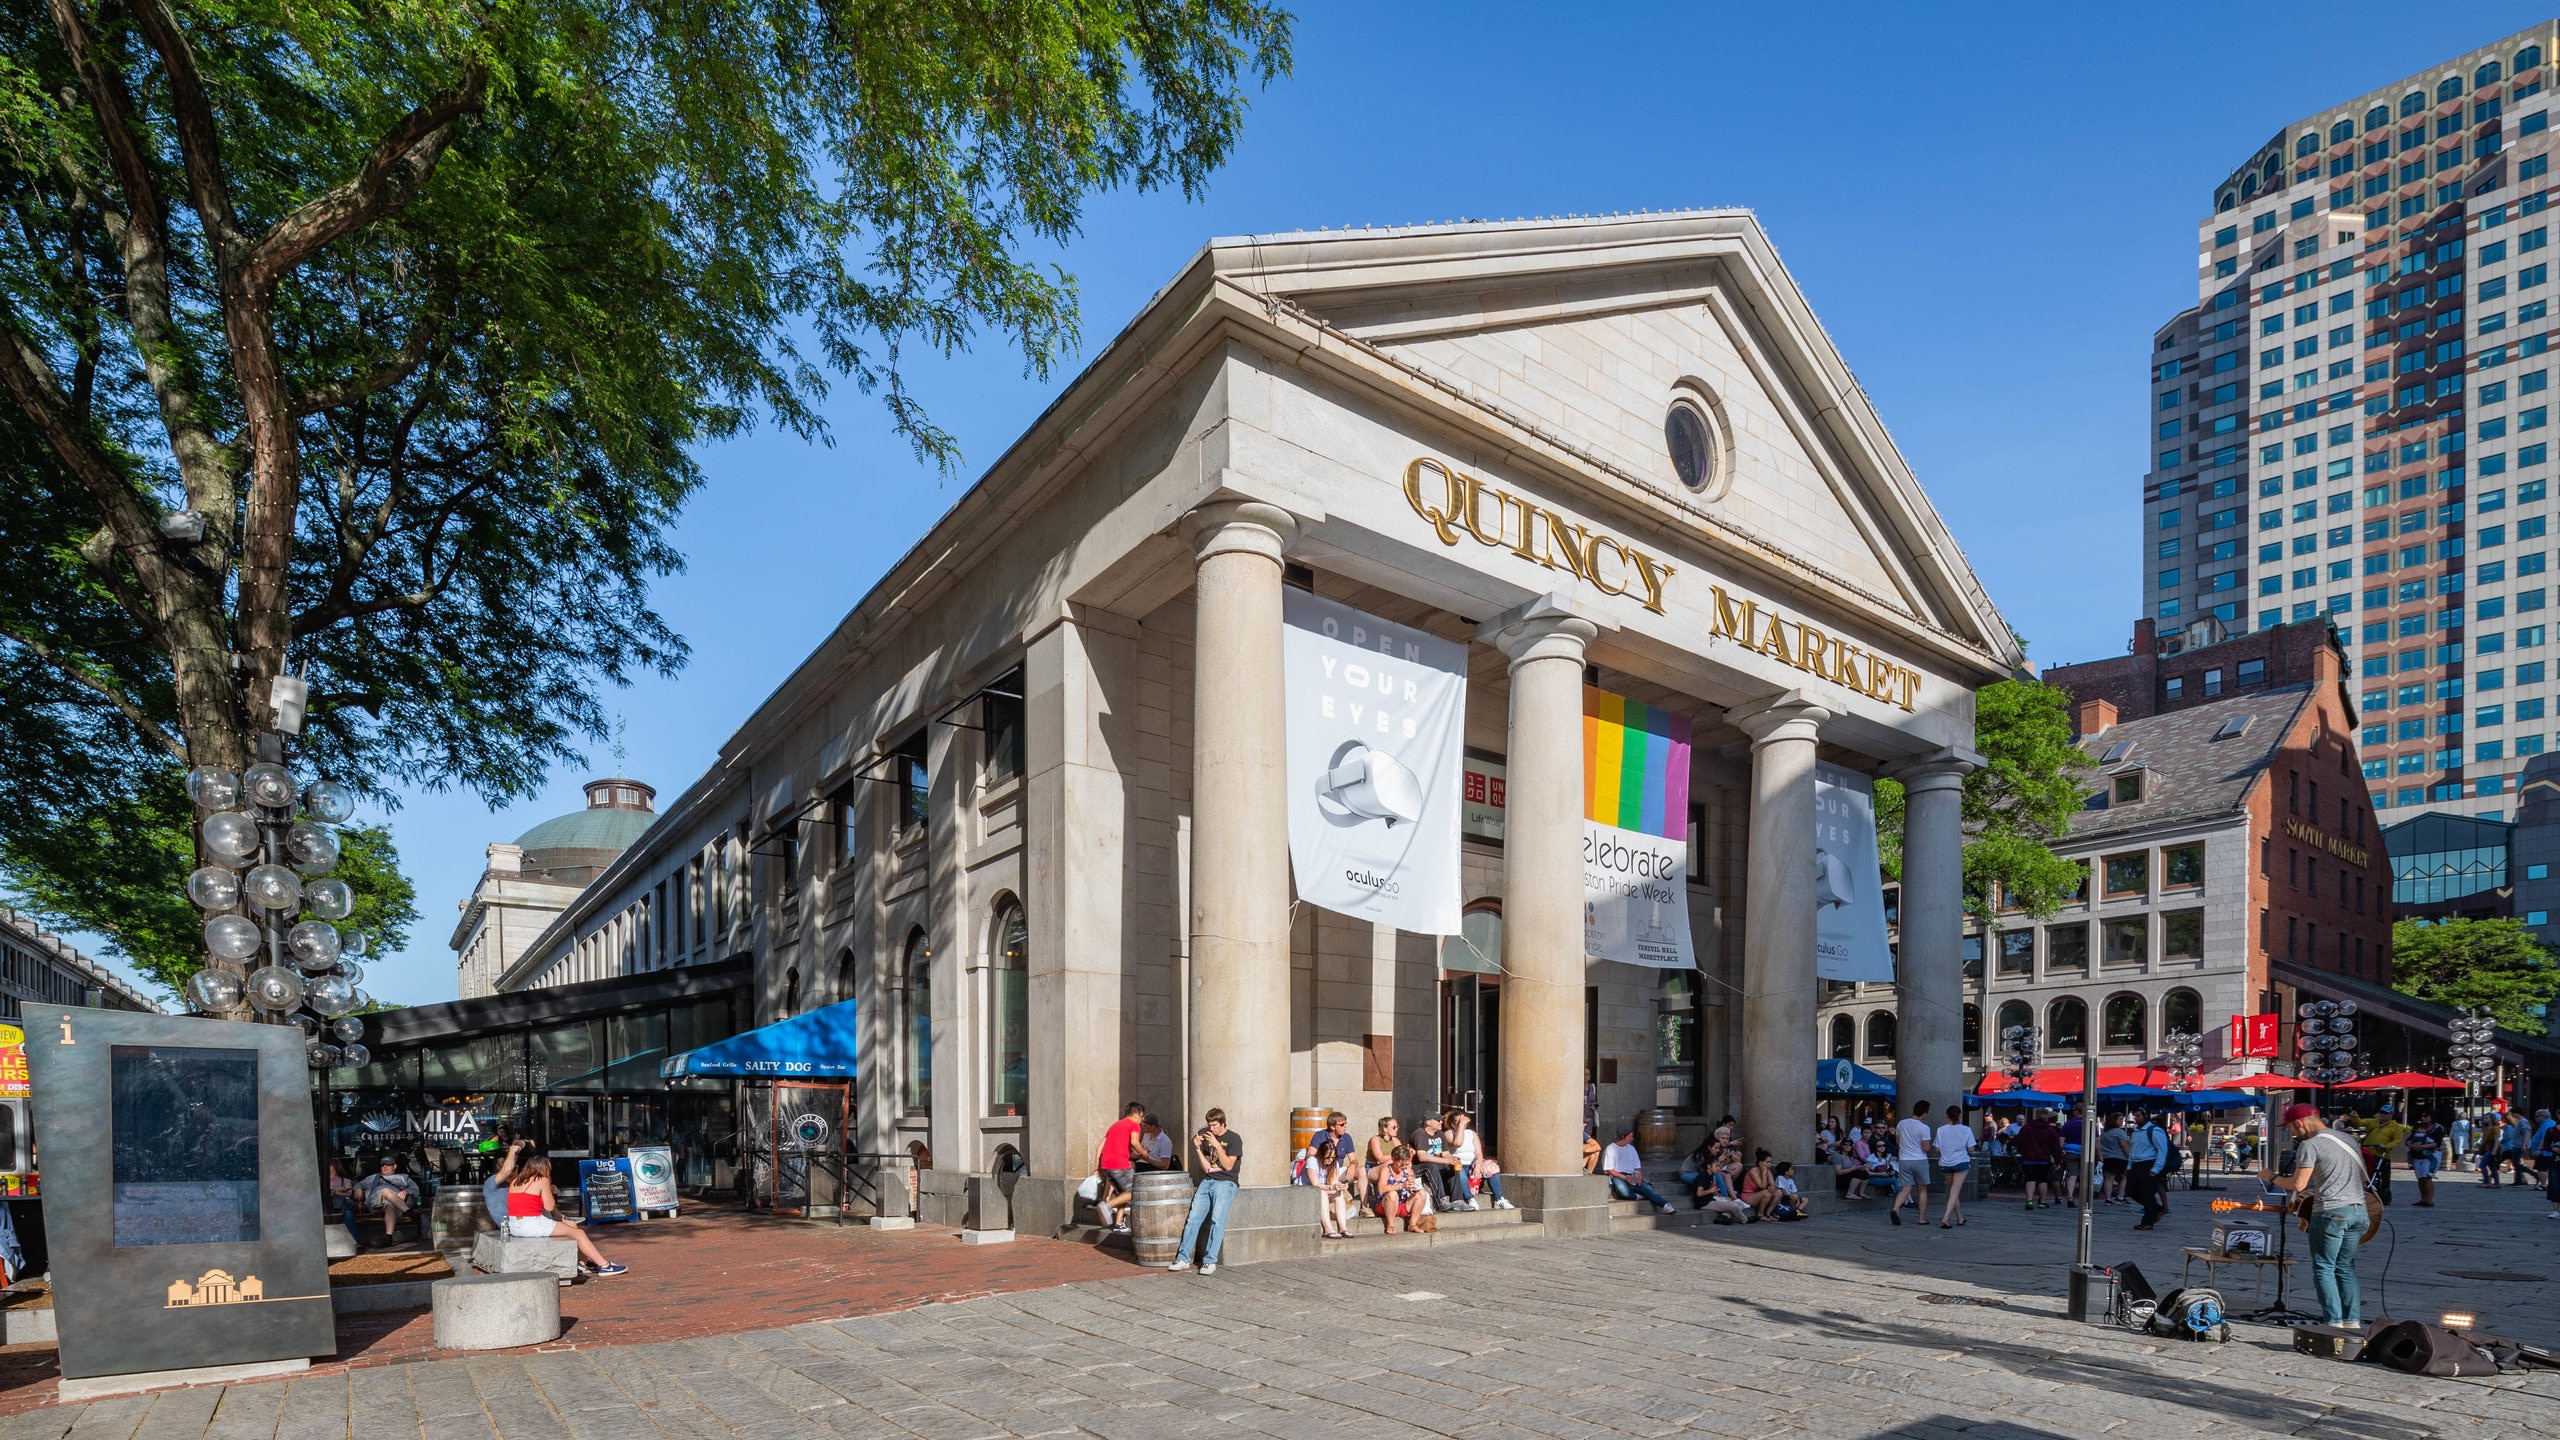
(2497, 963)
(2015, 806)
(376, 341)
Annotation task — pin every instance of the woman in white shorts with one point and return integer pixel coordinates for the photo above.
(533, 1213)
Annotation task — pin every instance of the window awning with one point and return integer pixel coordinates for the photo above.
(820, 1045)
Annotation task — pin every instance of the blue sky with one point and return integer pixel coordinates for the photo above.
(1991, 210)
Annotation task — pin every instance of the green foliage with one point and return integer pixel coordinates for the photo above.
(426, 308)
(2015, 806)
(2497, 963)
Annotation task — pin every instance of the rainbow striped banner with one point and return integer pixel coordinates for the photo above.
(1635, 765)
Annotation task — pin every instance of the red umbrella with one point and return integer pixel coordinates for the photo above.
(2402, 1080)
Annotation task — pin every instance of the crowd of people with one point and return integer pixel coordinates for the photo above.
(1404, 1180)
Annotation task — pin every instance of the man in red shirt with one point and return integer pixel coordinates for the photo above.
(2039, 1151)
(1117, 1165)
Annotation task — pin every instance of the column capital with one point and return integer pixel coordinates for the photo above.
(1788, 717)
(1938, 770)
(1252, 527)
(1547, 628)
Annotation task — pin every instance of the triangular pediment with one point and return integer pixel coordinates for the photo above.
(1589, 330)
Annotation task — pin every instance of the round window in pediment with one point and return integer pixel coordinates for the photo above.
(1692, 439)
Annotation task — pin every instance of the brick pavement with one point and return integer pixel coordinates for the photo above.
(1832, 1328)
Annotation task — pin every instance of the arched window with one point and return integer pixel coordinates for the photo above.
(2344, 130)
(1973, 1029)
(2124, 1017)
(2451, 89)
(2066, 1025)
(2016, 1012)
(791, 992)
(1844, 1038)
(2413, 102)
(2226, 204)
(2309, 144)
(1009, 1011)
(2248, 186)
(2528, 57)
(2182, 1010)
(844, 975)
(1880, 1035)
(2274, 168)
(2377, 117)
(915, 999)
(2486, 75)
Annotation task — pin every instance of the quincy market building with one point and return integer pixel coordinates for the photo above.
(1027, 805)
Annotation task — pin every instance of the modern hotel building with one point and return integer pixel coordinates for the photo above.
(2353, 423)
(1027, 805)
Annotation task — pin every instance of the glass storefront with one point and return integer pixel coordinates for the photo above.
(581, 1088)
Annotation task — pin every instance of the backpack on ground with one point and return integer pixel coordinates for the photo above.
(2191, 1313)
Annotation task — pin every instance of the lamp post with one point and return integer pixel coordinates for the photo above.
(2184, 1050)
(2473, 1058)
(275, 950)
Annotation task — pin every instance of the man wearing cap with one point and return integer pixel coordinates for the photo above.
(2329, 1167)
(2380, 1133)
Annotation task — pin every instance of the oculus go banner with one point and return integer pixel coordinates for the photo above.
(1376, 717)
(1635, 835)
(1848, 879)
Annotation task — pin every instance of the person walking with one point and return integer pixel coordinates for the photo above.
(1955, 1161)
(2146, 1154)
(2329, 1167)
(1911, 1161)
(2425, 1149)
(2039, 1150)
(2113, 1147)
(1221, 1155)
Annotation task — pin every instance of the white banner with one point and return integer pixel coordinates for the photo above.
(1376, 716)
(1635, 897)
(1848, 879)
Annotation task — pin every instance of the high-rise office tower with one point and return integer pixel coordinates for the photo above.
(2353, 422)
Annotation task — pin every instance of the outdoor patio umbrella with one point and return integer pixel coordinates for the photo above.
(2403, 1080)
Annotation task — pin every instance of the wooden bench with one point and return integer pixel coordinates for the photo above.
(2211, 1258)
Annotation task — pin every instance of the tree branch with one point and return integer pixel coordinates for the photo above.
(144, 247)
(395, 170)
(199, 143)
(125, 706)
(338, 394)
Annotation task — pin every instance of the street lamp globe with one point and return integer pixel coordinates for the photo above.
(268, 784)
(231, 835)
(214, 888)
(214, 789)
(328, 802)
(232, 937)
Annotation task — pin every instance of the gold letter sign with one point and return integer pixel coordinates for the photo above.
(1467, 505)
(1793, 642)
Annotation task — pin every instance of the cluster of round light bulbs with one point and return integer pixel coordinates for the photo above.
(2019, 1043)
(268, 893)
(2474, 1056)
(2184, 1050)
(2324, 1040)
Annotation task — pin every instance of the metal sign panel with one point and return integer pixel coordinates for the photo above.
(182, 1191)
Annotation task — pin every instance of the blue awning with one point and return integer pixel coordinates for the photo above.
(2134, 1092)
(820, 1045)
(1842, 1077)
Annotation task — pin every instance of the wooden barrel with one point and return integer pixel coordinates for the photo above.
(1162, 1203)
(1305, 1123)
(1657, 1134)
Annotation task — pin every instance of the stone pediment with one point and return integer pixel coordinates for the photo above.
(1588, 331)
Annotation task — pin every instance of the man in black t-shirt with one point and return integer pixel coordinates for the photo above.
(1220, 1152)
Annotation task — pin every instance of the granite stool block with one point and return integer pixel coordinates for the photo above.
(496, 1254)
(495, 1312)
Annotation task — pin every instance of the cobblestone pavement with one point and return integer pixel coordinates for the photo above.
(1845, 1326)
